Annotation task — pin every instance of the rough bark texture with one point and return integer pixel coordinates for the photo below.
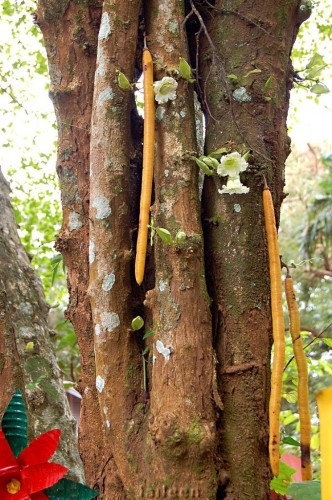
(169, 437)
(244, 38)
(23, 320)
(70, 30)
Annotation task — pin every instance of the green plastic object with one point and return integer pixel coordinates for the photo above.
(15, 424)
(66, 489)
(308, 490)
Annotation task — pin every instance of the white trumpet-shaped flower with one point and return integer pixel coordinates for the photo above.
(234, 186)
(231, 164)
(165, 89)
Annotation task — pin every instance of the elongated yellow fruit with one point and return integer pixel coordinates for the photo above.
(302, 369)
(324, 401)
(148, 159)
(278, 329)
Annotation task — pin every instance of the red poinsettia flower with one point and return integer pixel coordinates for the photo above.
(24, 477)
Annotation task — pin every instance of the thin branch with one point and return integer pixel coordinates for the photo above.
(13, 98)
(319, 336)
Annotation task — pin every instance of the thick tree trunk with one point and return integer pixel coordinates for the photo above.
(168, 434)
(254, 44)
(27, 360)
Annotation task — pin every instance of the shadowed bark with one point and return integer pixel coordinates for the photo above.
(27, 357)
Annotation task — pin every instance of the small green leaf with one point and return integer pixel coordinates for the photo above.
(315, 72)
(291, 397)
(146, 350)
(56, 259)
(164, 235)
(319, 88)
(54, 273)
(180, 236)
(267, 84)
(308, 490)
(218, 152)
(29, 346)
(267, 99)
(137, 323)
(185, 71)
(252, 72)
(210, 161)
(327, 341)
(203, 166)
(123, 81)
(281, 483)
(147, 334)
(232, 77)
(291, 441)
(316, 60)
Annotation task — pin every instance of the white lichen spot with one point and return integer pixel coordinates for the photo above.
(237, 208)
(183, 114)
(108, 424)
(108, 282)
(153, 359)
(160, 111)
(100, 383)
(166, 172)
(74, 221)
(91, 251)
(103, 207)
(100, 71)
(241, 95)
(162, 285)
(86, 390)
(105, 27)
(26, 308)
(91, 168)
(110, 320)
(165, 351)
(106, 95)
(97, 330)
(173, 27)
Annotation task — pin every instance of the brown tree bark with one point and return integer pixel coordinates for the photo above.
(27, 358)
(198, 425)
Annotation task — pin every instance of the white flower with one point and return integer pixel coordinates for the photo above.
(234, 186)
(165, 89)
(232, 164)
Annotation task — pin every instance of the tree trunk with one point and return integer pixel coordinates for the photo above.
(195, 421)
(27, 360)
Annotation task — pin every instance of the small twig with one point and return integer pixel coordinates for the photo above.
(309, 344)
(13, 98)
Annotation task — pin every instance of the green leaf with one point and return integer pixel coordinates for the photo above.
(56, 259)
(319, 88)
(327, 341)
(290, 440)
(54, 273)
(252, 72)
(203, 166)
(137, 323)
(15, 424)
(66, 489)
(315, 72)
(146, 350)
(218, 152)
(267, 84)
(281, 483)
(316, 60)
(164, 235)
(185, 71)
(180, 236)
(210, 161)
(308, 490)
(232, 77)
(147, 334)
(291, 397)
(123, 81)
